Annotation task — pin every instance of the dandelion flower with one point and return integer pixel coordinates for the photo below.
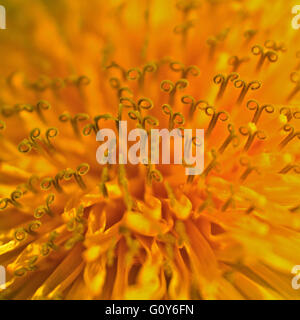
(71, 228)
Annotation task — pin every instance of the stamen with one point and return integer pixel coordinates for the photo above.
(187, 5)
(138, 74)
(270, 44)
(78, 234)
(115, 84)
(66, 117)
(208, 202)
(295, 209)
(189, 143)
(136, 115)
(270, 55)
(236, 62)
(106, 53)
(104, 179)
(249, 168)
(50, 134)
(77, 226)
(251, 132)
(153, 174)
(215, 116)
(249, 34)
(41, 84)
(15, 195)
(230, 201)
(41, 106)
(80, 213)
(125, 102)
(38, 108)
(223, 80)
(30, 267)
(185, 71)
(289, 167)
(176, 118)
(171, 88)
(144, 103)
(289, 114)
(122, 90)
(7, 111)
(28, 186)
(81, 170)
(57, 83)
(151, 121)
(45, 209)
(78, 81)
(213, 164)
(121, 69)
(94, 127)
(292, 134)
(183, 29)
(45, 250)
(253, 105)
(295, 78)
(193, 104)
(27, 144)
(33, 226)
(213, 41)
(251, 208)
(232, 138)
(18, 108)
(47, 183)
(21, 233)
(32, 141)
(253, 85)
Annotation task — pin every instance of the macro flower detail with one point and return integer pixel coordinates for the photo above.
(71, 228)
